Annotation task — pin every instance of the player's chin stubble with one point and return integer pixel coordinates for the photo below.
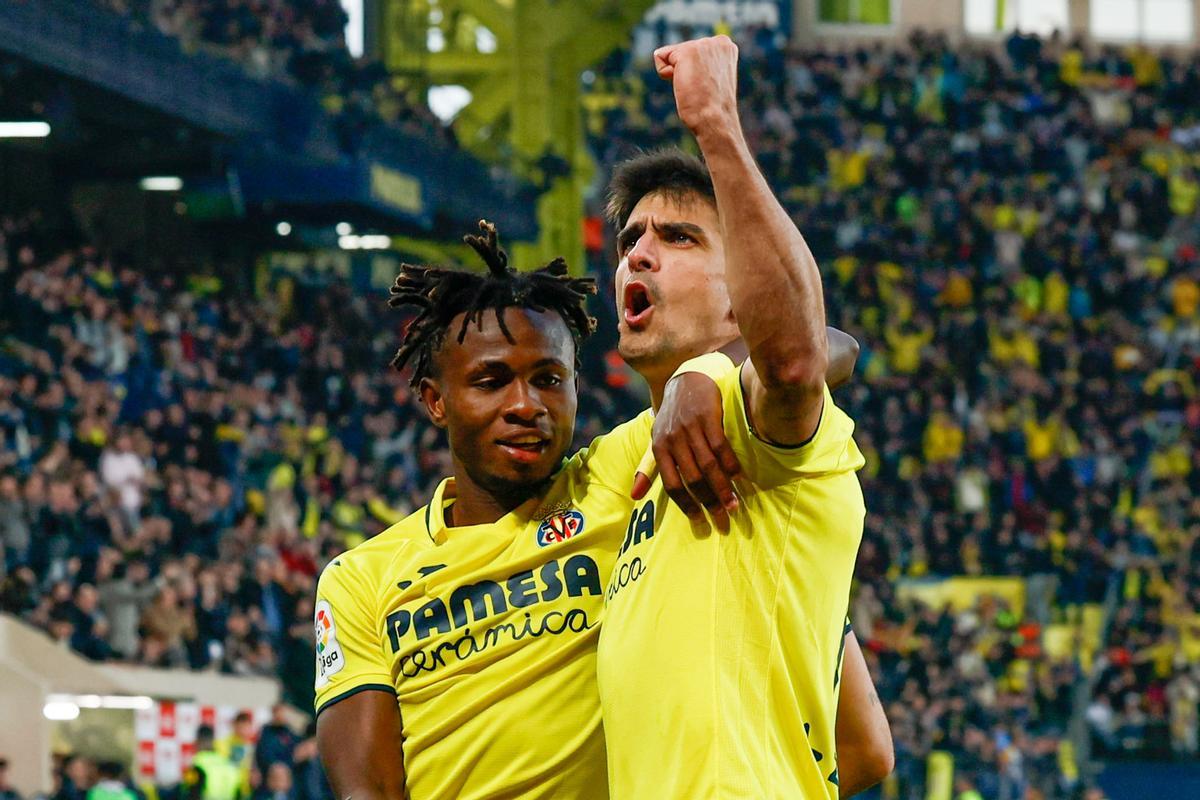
(645, 349)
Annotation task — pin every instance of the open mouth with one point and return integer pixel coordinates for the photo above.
(638, 305)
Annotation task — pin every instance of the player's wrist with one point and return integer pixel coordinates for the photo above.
(718, 131)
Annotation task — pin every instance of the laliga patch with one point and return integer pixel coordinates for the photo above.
(330, 658)
(559, 527)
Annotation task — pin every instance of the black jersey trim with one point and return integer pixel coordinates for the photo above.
(366, 687)
(763, 439)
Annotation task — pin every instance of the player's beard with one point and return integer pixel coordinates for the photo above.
(512, 492)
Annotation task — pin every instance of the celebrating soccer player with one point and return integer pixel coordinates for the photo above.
(721, 653)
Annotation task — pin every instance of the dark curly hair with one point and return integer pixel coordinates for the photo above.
(443, 293)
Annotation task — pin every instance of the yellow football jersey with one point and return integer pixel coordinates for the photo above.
(720, 651)
(487, 633)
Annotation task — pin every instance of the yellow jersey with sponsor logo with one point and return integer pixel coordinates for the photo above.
(720, 652)
(487, 633)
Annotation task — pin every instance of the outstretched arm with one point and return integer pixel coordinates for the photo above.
(774, 284)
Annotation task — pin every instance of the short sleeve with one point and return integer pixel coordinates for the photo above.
(831, 449)
(350, 657)
(612, 458)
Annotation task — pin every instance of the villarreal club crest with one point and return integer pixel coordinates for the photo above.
(559, 525)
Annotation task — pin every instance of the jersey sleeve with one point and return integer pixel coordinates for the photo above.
(349, 647)
(612, 458)
(830, 450)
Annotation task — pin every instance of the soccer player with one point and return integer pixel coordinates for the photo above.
(721, 653)
(456, 650)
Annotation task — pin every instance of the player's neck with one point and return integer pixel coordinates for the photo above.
(735, 349)
(475, 505)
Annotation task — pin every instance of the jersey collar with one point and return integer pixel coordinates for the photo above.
(435, 514)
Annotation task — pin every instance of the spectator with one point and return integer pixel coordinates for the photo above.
(14, 525)
(122, 470)
(276, 741)
(90, 625)
(76, 777)
(238, 747)
(214, 776)
(125, 591)
(110, 783)
(7, 792)
(278, 784)
(311, 783)
(166, 627)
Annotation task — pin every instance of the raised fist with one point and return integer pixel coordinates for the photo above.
(704, 75)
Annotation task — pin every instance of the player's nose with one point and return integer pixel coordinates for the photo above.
(643, 256)
(524, 402)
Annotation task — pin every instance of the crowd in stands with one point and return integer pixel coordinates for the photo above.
(1011, 234)
(304, 42)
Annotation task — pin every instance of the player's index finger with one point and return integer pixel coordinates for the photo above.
(664, 58)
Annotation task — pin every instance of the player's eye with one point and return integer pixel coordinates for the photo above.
(488, 383)
(548, 379)
(682, 238)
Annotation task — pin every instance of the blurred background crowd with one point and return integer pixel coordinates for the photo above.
(299, 41)
(1010, 232)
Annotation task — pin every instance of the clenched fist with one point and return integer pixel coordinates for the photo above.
(704, 75)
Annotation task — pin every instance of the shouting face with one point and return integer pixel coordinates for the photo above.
(672, 302)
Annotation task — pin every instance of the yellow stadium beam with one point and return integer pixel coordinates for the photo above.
(526, 97)
(452, 66)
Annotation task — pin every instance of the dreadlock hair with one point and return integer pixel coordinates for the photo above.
(666, 170)
(443, 293)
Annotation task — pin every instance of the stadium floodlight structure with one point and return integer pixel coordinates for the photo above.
(521, 67)
(31, 129)
(161, 183)
(365, 242)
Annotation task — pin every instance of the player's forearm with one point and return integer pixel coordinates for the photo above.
(774, 283)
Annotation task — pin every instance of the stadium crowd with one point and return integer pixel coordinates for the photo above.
(1011, 235)
(303, 42)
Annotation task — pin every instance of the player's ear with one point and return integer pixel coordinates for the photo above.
(433, 400)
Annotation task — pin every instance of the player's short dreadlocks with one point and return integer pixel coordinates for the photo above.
(442, 294)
